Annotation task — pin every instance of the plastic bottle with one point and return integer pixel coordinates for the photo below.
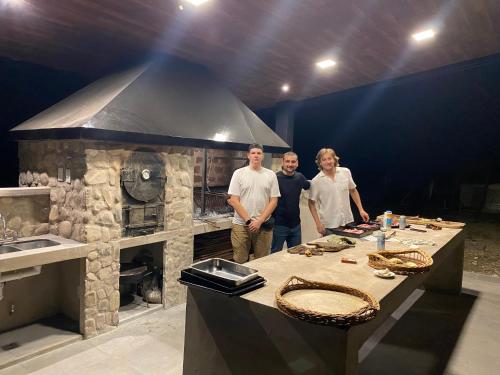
(389, 219)
(380, 241)
(383, 225)
(402, 222)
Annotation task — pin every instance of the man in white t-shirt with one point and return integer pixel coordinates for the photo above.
(330, 191)
(254, 195)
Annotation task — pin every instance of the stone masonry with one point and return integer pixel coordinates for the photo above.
(86, 206)
(220, 166)
(178, 250)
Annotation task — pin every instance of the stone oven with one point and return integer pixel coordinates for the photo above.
(142, 181)
(121, 157)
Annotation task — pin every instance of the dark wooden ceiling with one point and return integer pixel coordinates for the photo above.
(254, 45)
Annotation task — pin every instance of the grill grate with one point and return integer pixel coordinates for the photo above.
(215, 202)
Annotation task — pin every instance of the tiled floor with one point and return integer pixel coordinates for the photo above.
(151, 344)
(454, 335)
(35, 339)
(137, 308)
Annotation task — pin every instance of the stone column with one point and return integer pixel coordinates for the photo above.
(178, 249)
(103, 228)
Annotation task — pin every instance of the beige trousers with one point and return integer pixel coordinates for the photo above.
(243, 240)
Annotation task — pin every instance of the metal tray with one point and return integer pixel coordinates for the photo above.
(190, 279)
(340, 232)
(221, 270)
(356, 225)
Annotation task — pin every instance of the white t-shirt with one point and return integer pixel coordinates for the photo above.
(332, 197)
(255, 188)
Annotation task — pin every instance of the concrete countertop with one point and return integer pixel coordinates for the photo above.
(200, 226)
(24, 191)
(207, 225)
(278, 267)
(68, 249)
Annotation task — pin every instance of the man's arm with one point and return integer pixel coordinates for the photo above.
(306, 184)
(314, 212)
(234, 201)
(257, 222)
(357, 201)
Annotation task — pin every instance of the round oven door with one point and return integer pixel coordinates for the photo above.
(143, 176)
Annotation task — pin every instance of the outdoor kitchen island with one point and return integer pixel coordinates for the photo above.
(249, 335)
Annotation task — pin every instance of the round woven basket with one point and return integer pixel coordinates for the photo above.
(369, 308)
(385, 259)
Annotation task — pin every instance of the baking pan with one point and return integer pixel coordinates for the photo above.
(224, 271)
(190, 279)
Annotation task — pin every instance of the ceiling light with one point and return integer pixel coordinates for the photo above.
(181, 7)
(196, 2)
(220, 137)
(15, 3)
(424, 35)
(327, 63)
(285, 87)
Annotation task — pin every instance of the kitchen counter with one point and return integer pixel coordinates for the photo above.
(279, 266)
(201, 226)
(227, 334)
(68, 249)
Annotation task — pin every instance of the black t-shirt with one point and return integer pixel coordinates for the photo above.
(287, 212)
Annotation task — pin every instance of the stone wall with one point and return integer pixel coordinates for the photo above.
(40, 162)
(27, 216)
(220, 166)
(103, 227)
(277, 162)
(178, 250)
(86, 205)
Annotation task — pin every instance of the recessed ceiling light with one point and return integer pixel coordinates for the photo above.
(15, 3)
(181, 7)
(285, 87)
(327, 63)
(424, 35)
(196, 2)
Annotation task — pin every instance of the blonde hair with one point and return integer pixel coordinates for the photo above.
(324, 151)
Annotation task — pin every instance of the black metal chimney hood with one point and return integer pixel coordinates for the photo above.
(165, 101)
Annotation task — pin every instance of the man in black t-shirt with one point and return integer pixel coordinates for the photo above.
(287, 213)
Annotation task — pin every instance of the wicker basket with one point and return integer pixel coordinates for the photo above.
(382, 259)
(357, 316)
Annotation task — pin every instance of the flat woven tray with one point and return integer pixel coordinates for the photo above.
(402, 262)
(325, 304)
(328, 246)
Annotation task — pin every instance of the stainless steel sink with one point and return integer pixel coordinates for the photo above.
(4, 249)
(34, 244)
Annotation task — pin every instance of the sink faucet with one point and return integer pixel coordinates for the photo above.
(5, 237)
(4, 226)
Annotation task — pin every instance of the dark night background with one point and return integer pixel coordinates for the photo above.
(409, 142)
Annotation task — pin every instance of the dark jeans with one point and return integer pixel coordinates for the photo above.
(292, 236)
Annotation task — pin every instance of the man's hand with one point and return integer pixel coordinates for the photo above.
(364, 215)
(321, 229)
(254, 226)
